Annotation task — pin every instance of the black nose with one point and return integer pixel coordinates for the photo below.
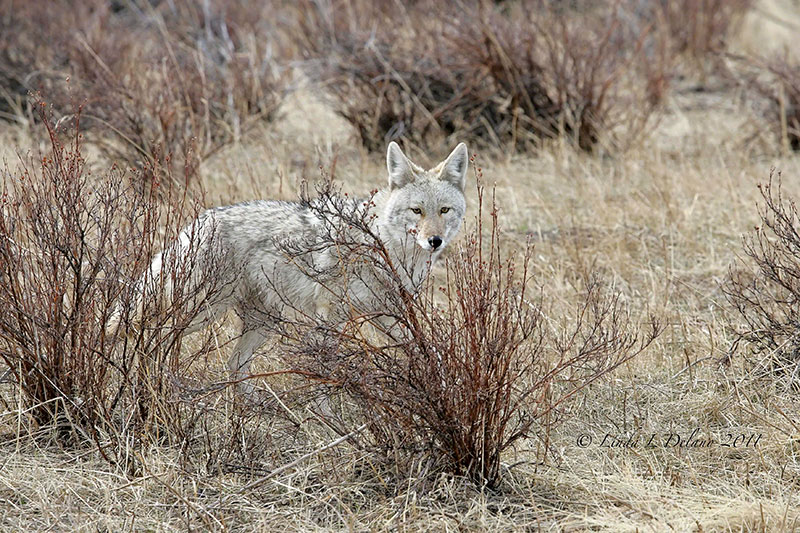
(435, 241)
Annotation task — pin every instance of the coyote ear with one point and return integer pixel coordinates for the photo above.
(400, 168)
(454, 168)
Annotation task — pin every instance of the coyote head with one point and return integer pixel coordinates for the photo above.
(425, 207)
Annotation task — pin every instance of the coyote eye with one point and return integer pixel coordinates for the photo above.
(445, 210)
(416, 210)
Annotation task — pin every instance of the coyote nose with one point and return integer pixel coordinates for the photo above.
(435, 242)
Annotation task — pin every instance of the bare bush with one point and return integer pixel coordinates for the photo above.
(764, 287)
(73, 248)
(699, 27)
(777, 82)
(498, 74)
(459, 373)
(161, 80)
(31, 50)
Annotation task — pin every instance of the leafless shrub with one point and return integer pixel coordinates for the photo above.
(777, 82)
(498, 74)
(700, 27)
(32, 51)
(161, 80)
(764, 287)
(73, 248)
(460, 372)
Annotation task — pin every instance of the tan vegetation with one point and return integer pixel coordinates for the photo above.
(659, 223)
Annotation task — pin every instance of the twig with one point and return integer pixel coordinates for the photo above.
(260, 481)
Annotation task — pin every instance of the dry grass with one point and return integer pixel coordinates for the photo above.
(777, 80)
(503, 75)
(662, 222)
(653, 223)
(157, 82)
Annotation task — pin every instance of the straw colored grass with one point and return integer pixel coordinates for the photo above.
(661, 222)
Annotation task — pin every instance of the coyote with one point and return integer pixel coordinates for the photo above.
(259, 277)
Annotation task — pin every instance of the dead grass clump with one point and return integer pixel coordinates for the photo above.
(500, 74)
(73, 246)
(166, 81)
(33, 53)
(777, 81)
(764, 286)
(700, 28)
(452, 378)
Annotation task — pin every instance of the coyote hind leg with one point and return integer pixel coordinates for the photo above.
(239, 362)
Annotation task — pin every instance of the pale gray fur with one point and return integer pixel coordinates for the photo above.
(257, 279)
